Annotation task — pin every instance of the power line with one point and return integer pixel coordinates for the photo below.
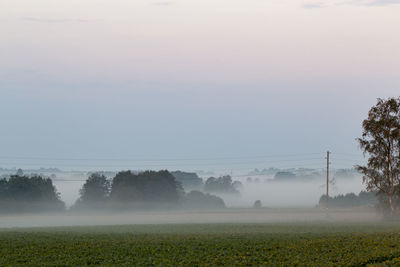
(173, 164)
(157, 159)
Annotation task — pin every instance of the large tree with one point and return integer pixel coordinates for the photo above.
(380, 141)
(95, 189)
(148, 186)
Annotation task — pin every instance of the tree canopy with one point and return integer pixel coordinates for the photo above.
(350, 200)
(143, 190)
(199, 200)
(222, 184)
(189, 180)
(146, 186)
(95, 189)
(24, 193)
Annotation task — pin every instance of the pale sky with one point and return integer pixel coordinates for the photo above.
(191, 78)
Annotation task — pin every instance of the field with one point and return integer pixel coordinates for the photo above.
(273, 244)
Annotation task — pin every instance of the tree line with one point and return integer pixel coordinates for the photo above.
(149, 189)
(350, 200)
(27, 194)
(127, 190)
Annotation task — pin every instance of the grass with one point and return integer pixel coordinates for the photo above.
(286, 244)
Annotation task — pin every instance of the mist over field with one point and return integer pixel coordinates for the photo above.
(290, 193)
(297, 192)
(293, 201)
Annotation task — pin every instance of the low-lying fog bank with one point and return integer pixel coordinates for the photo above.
(271, 194)
(299, 188)
(230, 215)
(290, 193)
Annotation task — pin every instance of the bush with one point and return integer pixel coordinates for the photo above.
(257, 204)
(197, 199)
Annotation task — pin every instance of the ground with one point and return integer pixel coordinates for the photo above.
(217, 244)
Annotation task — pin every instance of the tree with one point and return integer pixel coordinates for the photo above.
(189, 180)
(20, 172)
(222, 184)
(35, 188)
(95, 189)
(24, 193)
(381, 142)
(350, 200)
(284, 176)
(148, 186)
(257, 204)
(3, 189)
(197, 199)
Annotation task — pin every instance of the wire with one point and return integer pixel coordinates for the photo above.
(153, 160)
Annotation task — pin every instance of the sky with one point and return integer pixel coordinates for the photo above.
(185, 82)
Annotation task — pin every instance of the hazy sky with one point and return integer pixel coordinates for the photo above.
(191, 78)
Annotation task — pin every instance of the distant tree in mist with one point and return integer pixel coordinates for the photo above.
(222, 184)
(95, 189)
(284, 176)
(189, 180)
(380, 141)
(238, 185)
(33, 188)
(23, 193)
(257, 204)
(350, 200)
(199, 200)
(143, 190)
(20, 172)
(148, 186)
(3, 189)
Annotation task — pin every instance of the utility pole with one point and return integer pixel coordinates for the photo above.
(327, 179)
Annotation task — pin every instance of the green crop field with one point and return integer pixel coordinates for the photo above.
(287, 244)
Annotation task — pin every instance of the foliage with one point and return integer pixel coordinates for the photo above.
(350, 200)
(145, 190)
(96, 188)
(3, 189)
(148, 186)
(94, 192)
(23, 194)
(222, 184)
(197, 199)
(202, 245)
(189, 180)
(381, 142)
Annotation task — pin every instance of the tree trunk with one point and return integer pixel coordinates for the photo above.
(391, 202)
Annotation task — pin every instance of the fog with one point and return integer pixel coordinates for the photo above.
(301, 194)
(282, 201)
(180, 217)
(69, 190)
(290, 194)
